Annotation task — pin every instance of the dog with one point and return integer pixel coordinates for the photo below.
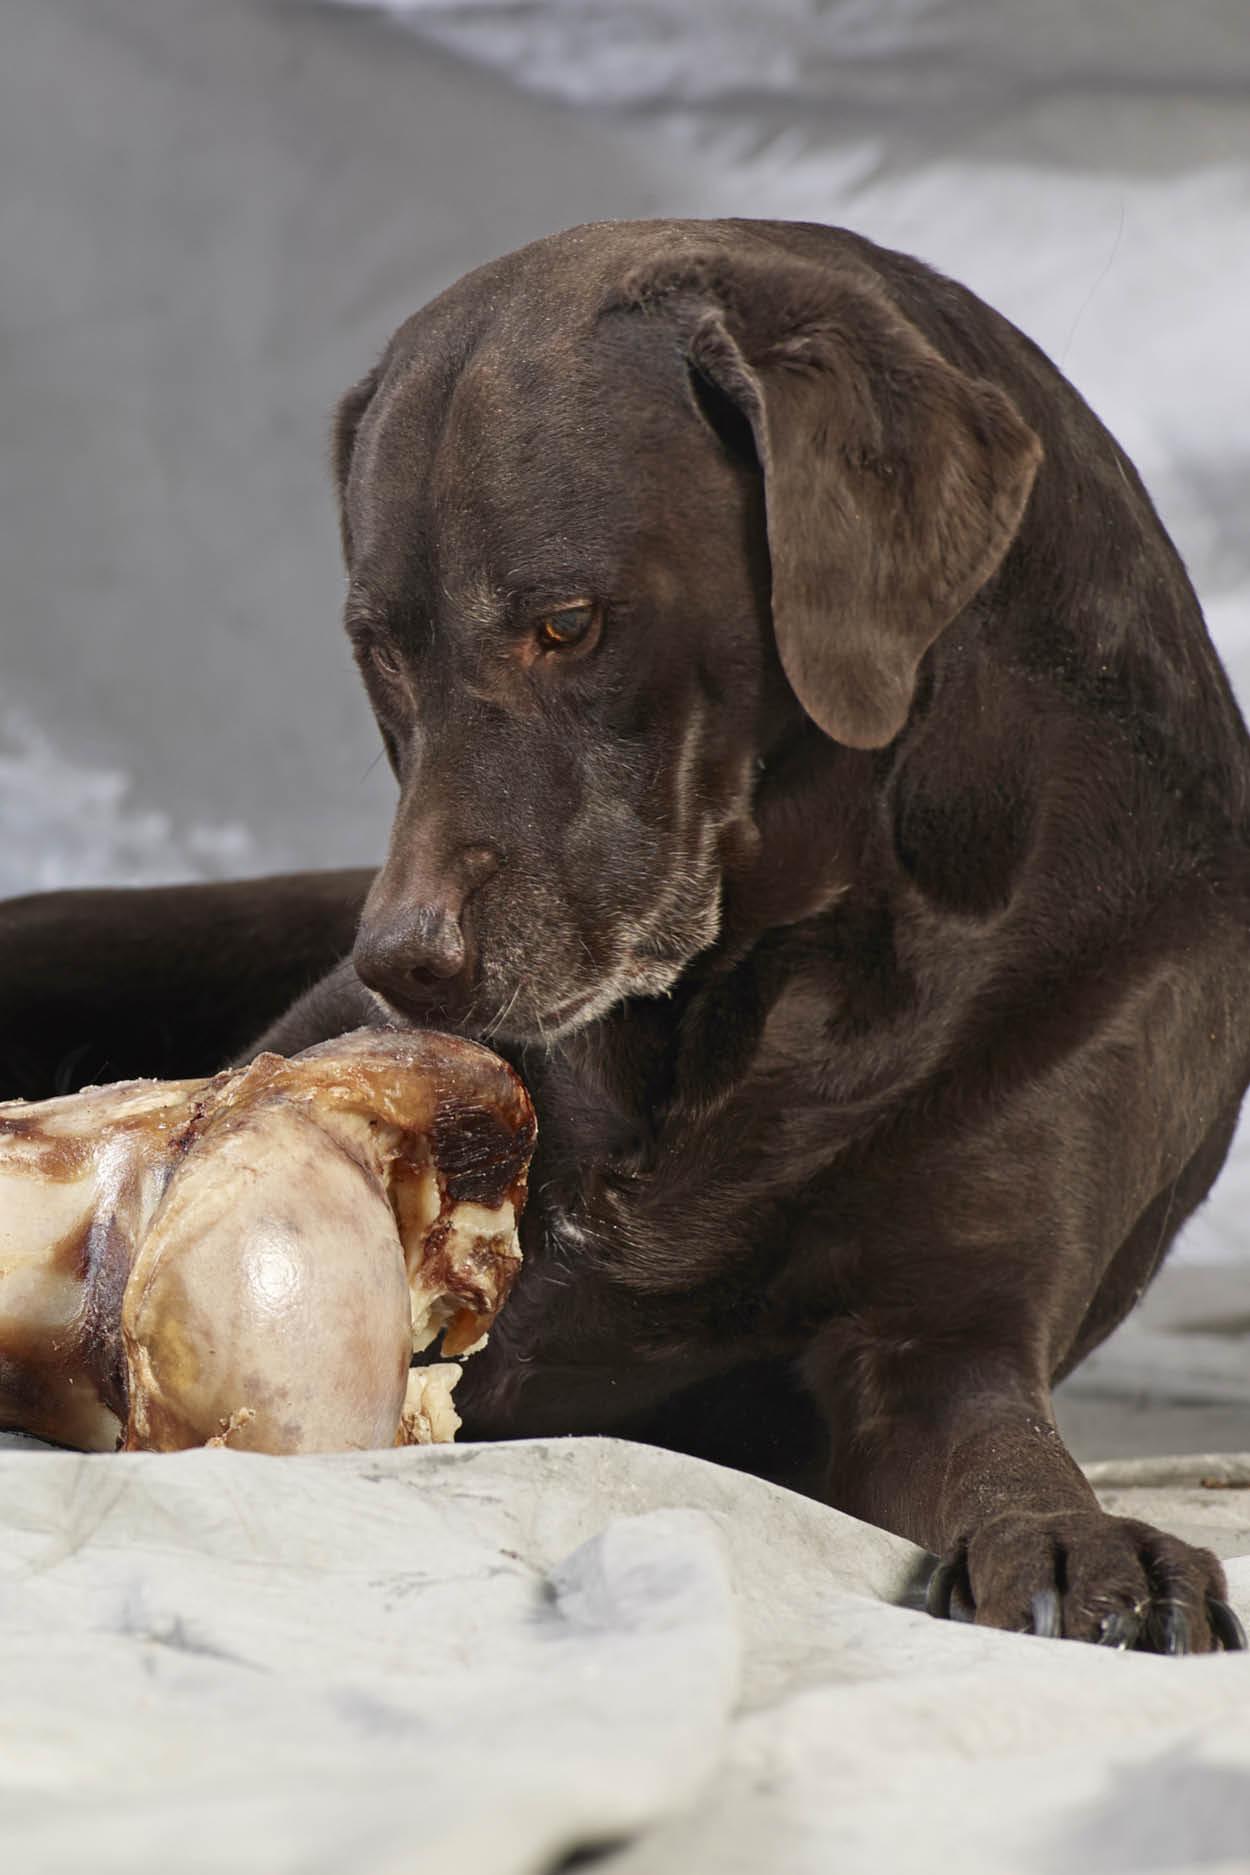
(815, 776)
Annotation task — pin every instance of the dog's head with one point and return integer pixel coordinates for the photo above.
(627, 516)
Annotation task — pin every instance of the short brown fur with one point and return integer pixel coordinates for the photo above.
(869, 912)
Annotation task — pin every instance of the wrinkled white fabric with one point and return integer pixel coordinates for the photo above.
(494, 1654)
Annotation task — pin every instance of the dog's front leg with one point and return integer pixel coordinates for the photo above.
(965, 1458)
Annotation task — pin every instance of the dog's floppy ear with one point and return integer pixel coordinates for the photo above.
(350, 409)
(893, 482)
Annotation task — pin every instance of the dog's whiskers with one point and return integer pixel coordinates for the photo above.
(494, 1027)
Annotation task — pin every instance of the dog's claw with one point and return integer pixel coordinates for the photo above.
(941, 1589)
(1172, 1630)
(1167, 1618)
(1226, 1625)
(949, 1596)
(1167, 1629)
(1047, 1614)
(1120, 1631)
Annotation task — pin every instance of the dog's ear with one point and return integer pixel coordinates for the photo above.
(347, 415)
(893, 483)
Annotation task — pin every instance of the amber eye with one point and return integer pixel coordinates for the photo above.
(572, 625)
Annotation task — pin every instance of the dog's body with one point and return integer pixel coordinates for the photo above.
(817, 779)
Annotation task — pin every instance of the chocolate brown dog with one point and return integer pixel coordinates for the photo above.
(816, 777)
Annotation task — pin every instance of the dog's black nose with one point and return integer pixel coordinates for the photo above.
(416, 954)
(409, 959)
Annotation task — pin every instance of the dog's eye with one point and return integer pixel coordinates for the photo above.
(385, 660)
(572, 625)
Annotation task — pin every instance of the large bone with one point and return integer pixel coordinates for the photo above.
(254, 1259)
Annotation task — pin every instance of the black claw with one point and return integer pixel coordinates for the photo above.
(1047, 1617)
(1173, 1630)
(941, 1589)
(1120, 1631)
(1225, 1625)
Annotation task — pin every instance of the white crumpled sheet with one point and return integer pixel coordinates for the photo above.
(495, 1654)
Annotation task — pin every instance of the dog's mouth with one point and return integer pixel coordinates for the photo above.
(639, 976)
(513, 1022)
(578, 1012)
(517, 1016)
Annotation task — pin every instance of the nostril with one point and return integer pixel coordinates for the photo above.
(421, 978)
(433, 968)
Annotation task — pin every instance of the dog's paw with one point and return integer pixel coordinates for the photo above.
(1088, 1577)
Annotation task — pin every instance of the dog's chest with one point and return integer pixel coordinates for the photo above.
(654, 1260)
